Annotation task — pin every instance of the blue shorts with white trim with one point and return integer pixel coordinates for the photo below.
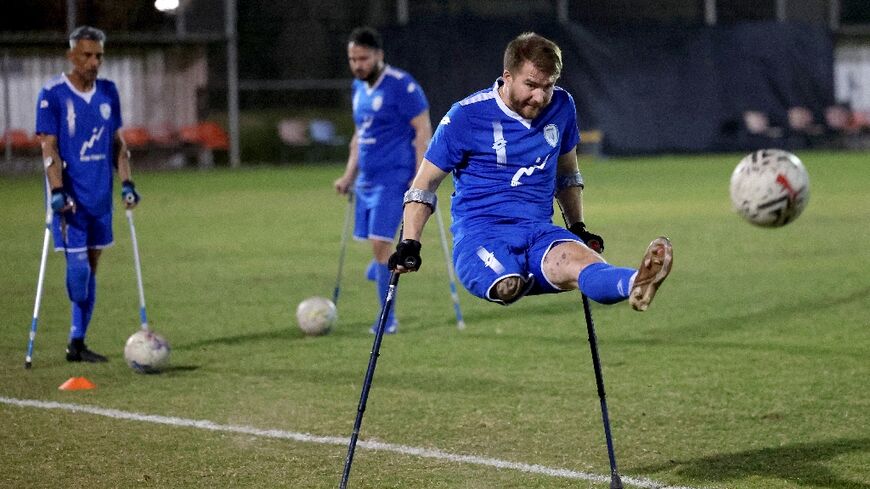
(491, 252)
(378, 211)
(83, 231)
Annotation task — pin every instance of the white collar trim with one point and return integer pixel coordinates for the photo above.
(377, 83)
(507, 110)
(87, 96)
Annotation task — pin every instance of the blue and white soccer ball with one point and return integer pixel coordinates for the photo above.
(770, 188)
(316, 316)
(146, 352)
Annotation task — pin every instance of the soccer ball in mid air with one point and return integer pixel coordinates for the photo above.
(146, 352)
(770, 188)
(316, 315)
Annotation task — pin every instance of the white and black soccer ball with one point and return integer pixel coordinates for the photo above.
(770, 188)
(146, 352)
(316, 315)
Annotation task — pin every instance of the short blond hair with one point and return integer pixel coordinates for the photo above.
(543, 53)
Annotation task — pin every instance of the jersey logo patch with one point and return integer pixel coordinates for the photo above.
(411, 87)
(87, 145)
(527, 171)
(445, 120)
(361, 131)
(105, 110)
(489, 260)
(551, 134)
(43, 104)
(377, 103)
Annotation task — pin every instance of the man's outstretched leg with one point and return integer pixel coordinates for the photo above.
(570, 265)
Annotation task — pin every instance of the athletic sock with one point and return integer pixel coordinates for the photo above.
(605, 283)
(82, 311)
(372, 271)
(382, 279)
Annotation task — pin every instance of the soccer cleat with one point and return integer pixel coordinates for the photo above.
(392, 327)
(76, 351)
(653, 270)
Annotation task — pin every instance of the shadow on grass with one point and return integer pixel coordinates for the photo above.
(284, 333)
(711, 326)
(179, 369)
(802, 464)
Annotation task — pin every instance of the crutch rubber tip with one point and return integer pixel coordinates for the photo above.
(27, 365)
(615, 482)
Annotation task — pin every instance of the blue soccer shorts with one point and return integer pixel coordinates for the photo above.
(83, 231)
(487, 254)
(378, 212)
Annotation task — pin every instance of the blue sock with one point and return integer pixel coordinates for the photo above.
(82, 311)
(605, 283)
(372, 271)
(78, 274)
(382, 279)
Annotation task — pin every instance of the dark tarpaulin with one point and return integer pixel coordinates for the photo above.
(649, 88)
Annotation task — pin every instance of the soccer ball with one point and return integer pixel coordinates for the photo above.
(316, 315)
(770, 188)
(146, 352)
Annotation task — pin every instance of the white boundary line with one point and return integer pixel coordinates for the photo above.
(204, 424)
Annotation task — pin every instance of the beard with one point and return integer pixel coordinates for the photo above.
(370, 76)
(87, 75)
(530, 112)
(526, 110)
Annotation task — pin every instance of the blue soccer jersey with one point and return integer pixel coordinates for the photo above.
(85, 125)
(382, 114)
(504, 166)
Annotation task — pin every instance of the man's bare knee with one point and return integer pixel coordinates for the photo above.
(508, 288)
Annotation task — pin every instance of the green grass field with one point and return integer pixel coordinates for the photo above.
(750, 370)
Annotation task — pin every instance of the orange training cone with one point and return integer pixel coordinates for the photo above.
(77, 384)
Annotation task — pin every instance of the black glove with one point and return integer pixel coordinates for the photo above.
(129, 194)
(407, 254)
(60, 199)
(593, 241)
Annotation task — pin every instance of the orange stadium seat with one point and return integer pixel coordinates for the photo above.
(214, 136)
(21, 140)
(136, 137)
(208, 134)
(189, 135)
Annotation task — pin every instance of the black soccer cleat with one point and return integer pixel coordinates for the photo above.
(76, 351)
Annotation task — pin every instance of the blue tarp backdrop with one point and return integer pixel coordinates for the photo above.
(649, 88)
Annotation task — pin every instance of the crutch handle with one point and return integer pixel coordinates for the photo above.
(411, 263)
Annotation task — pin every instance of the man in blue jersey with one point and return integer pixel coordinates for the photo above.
(391, 115)
(78, 117)
(512, 149)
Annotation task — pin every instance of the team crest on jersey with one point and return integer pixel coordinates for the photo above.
(551, 134)
(377, 102)
(105, 111)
